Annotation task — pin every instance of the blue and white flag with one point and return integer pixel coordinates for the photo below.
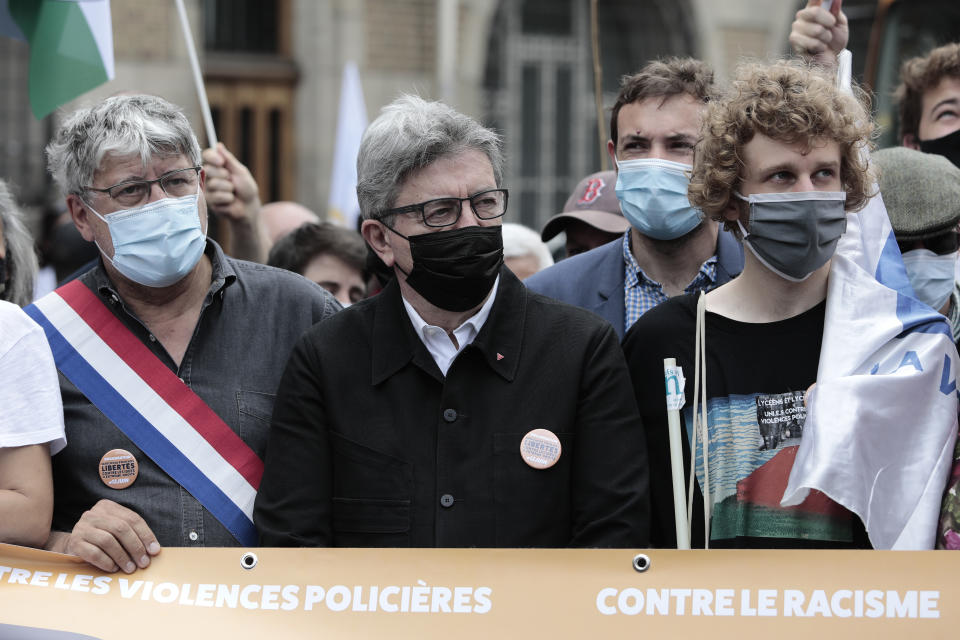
(882, 418)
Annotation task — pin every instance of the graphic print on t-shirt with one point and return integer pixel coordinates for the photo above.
(780, 417)
(749, 465)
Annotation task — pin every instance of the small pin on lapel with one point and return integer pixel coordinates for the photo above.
(499, 357)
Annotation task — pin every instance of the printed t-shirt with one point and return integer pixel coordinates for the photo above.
(757, 374)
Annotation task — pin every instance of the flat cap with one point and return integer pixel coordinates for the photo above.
(593, 201)
(920, 190)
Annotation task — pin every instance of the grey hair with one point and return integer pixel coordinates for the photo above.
(119, 126)
(410, 134)
(21, 256)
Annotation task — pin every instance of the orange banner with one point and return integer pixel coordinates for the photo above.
(483, 593)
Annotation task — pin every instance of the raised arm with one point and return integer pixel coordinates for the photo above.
(232, 193)
(819, 34)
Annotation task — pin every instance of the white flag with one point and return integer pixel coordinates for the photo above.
(882, 419)
(351, 123)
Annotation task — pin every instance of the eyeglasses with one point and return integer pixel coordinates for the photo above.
(940, 244)
(444, 212)
(176, 184)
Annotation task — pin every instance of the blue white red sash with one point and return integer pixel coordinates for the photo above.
(151, 405)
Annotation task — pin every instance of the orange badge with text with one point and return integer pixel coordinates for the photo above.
(118, 469)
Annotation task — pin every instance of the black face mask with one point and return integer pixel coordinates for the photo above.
(947, 146)
(454, 270)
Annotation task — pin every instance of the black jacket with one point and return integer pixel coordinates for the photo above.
(371, 446)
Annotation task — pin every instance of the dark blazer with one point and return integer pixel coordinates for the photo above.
(593, 280)
(371, 446)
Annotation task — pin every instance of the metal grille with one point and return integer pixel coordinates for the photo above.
(538, 86)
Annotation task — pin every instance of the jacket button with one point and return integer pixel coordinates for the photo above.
(446, 500)
(449, 415)
(193, 536)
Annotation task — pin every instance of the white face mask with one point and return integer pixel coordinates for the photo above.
(931, 275)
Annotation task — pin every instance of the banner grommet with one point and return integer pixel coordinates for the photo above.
(641, 562)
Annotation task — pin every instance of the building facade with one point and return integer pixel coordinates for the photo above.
(273, 69)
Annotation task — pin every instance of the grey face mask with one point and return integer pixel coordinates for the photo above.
(794, 234)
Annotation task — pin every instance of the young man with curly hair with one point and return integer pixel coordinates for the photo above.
(779, 164)
(929, 101)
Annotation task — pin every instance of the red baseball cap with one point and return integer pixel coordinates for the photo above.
(594, 201)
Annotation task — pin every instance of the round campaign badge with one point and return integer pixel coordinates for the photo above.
(540, 448)
(118, 469)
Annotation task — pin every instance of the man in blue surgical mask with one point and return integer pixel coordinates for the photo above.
(670, 248)
(922, 195)
(170, 352)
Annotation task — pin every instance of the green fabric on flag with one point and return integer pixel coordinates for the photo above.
(64, 59)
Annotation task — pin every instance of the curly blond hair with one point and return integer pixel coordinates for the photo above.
(917, 75)
(787, 101)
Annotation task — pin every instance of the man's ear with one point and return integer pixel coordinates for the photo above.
(910, 141)
(612, 152)
(375, 234)
(731, 213)
(80, 213)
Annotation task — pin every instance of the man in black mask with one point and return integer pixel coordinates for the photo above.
(929, 99)
(455, 408)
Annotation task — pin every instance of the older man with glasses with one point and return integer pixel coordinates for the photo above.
(169, 352)
(455, 408)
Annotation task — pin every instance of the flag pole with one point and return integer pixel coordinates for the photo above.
(197, 77)
(598, 83)
(675, 398)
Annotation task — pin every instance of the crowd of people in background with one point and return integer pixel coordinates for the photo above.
(433, 379)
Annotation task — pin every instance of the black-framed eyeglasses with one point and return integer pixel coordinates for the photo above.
(176, 184)
(941, 244)
(443, 212)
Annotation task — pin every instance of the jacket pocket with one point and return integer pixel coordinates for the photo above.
(532, 505)
(372, 496)
(255, 409)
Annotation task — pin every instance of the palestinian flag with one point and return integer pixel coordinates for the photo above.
(71, 47)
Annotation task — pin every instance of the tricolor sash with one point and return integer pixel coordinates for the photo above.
(151, 405)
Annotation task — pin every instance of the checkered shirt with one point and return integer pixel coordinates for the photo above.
(640, 293)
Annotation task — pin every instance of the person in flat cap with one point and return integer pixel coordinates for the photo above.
(922, 194)
(591, 216)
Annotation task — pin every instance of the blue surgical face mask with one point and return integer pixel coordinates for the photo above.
(653, 197)
(931, 276)
(157, 244)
